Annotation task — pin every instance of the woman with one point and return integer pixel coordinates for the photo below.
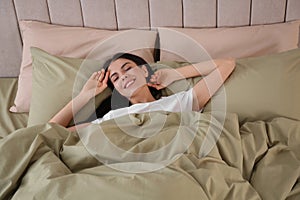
(133, 79)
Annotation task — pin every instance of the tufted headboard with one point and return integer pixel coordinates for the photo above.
(126, 14)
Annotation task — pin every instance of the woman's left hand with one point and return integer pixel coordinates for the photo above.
(163, 78)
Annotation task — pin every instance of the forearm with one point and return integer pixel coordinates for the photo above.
(217, 77)
(94, 86)
(65, 115)
(165, 77)
(209, 85)
(198, 69)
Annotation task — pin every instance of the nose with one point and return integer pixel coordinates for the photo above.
(124, 76)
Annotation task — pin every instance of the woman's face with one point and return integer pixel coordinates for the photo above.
(126, 76)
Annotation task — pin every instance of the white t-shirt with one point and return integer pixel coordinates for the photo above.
(179, 102)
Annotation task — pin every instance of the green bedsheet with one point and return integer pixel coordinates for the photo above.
(9, 121)
(259, 160)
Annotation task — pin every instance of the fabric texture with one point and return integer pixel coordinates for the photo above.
(179, 85)
(259, 160)
(55, 76)
(75, 42)
(195, 45)
(179, 102)
(9, 122)
(262, 88)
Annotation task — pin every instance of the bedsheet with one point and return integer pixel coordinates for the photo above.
(258, 160)
(9, 121)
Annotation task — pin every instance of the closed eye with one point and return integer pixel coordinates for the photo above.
(127, 68)
(114, 77)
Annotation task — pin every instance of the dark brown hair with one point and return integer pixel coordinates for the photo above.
(117, 100)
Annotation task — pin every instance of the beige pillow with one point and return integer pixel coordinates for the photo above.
(195, 45)
(75, 42)
(55, 81)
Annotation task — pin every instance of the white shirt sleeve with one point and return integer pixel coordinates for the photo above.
(179, 102)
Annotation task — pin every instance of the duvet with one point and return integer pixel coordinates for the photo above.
(255, 160)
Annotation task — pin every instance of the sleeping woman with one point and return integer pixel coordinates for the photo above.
(132, 79)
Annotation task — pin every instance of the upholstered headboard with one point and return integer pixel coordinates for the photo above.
(126, 14)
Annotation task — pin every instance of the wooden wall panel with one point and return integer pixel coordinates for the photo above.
(66, 12)
(99, 14)
(233, 12)
(199, 13)
(32, 10)
(293, 10)
(268, 11)
(127, 10)
(10, 40)
(124, 14)
(166, 13)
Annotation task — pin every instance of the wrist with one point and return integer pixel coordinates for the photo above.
(180, 74)
(83, 97)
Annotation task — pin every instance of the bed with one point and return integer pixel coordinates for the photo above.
(245, 144)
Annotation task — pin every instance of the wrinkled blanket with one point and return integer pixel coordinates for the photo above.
(155, 155)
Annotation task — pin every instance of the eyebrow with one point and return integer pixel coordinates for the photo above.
(121, 68)
(124, 65)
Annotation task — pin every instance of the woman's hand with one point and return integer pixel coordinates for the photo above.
(163, 78)
(95, 84)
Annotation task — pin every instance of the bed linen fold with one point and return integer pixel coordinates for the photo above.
(259, 160)
(9, 121)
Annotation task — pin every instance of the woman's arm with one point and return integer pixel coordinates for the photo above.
(208, 86)
(64, 116)
(95, 85)
(198, 69)
(215, 72)
(164, 77)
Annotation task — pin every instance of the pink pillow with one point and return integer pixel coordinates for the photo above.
(77, 42)
(194, 45)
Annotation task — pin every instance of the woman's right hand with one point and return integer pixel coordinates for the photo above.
(164, 77)
(95, 84)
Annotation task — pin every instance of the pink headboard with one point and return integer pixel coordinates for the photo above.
(126, 14)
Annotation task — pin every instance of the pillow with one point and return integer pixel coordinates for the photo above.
(262, 88)
(76, 42)
(55, 76)
(177, 86)
(195, 45)
(55, 81)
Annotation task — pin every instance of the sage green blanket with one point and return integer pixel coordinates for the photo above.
(259, 160)
(9, 121)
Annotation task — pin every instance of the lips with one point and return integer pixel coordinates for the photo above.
(129, 83)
